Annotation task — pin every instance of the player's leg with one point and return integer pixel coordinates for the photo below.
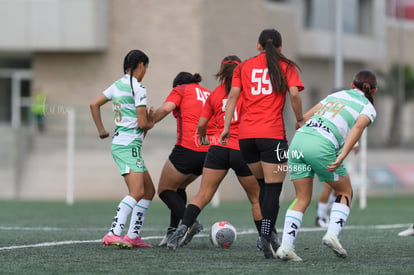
(170, 180)
(322, 218)
(133, 238)
(125, 157)
(293, 218)
(339, 214)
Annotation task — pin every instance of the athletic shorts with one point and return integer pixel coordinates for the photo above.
(264, 149)
(223, 158)
(187, 161)
(311, 154)
(128, 157)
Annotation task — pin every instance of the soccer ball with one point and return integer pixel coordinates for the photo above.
(223, 234)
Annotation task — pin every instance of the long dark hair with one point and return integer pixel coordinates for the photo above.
(271, 40)
(131, 61)
(366, 81)
(225, 74)
(186, 78)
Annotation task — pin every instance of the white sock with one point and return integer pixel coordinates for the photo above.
(339, 215)
(293, 221)
(331, 199)
(323, 210)
(137, 218)
(124, 209)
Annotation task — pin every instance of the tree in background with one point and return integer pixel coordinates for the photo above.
(399, 84)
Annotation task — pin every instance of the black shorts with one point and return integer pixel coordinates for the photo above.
(187, 161)
(222, 158)
(264, 149)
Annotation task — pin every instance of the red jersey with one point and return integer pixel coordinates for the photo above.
(190, 99)
(262, 111)
(214, 109)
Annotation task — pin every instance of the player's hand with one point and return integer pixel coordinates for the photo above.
(224, 137)
(335, 165)
(204, 140)
(103, 134)
(299, 124)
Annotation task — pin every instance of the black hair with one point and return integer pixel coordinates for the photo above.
(366, 81)
(186, 78)
(228, 64)
(131, 61)
(271, 40)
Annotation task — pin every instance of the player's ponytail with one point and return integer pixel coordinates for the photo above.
(271, 40)
(366, 81)
(131, 61)
(186, 78)
(225, 74)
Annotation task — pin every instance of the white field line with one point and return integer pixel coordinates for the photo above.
(242, 232)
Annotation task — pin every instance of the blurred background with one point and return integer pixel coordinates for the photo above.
(56, 56)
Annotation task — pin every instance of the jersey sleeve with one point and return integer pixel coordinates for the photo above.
(109, 92)
(370, 112)
(140, 96)
(293, 79)
(176, 95)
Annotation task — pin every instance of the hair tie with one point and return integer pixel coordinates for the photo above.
(230, 61)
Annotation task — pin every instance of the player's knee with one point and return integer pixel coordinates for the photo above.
(347, 200)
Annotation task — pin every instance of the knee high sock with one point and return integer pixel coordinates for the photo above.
(270, 207)
(174, 202)
(137, 218)
(190, 215)
(293, 221)
(262, 191)
(123, 210)
(339, 215)
(174, 220)
(322, 210)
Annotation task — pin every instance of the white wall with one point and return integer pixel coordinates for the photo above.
(53, 25)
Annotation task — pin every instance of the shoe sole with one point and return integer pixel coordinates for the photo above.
(338, 252)
(190, 234)
(293, 259)
(267, 249)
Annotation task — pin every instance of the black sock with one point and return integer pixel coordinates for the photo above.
(258, 225)
(183, 195)
(175, 204)
(191, 214)
(262, 191)
(174, 219)
(270, 208)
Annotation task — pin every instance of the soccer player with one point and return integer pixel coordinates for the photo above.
(262, 82)
(185, 163)
(220, 158)
(332, 128)
(129, 104)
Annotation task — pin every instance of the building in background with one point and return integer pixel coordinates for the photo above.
(74, 49)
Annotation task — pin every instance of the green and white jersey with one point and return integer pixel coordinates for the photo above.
(338, 114)
(124, 106)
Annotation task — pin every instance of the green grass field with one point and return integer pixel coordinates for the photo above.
(53, 238)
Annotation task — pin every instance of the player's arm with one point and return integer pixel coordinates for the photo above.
(296, 102)
(202, 130)
(353, 137)
(95, 107)
(166, 108)
(311, 112)
(144, 122)
(228, 117)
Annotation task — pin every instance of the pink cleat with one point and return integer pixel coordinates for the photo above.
(112, 240)
(136, 242)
